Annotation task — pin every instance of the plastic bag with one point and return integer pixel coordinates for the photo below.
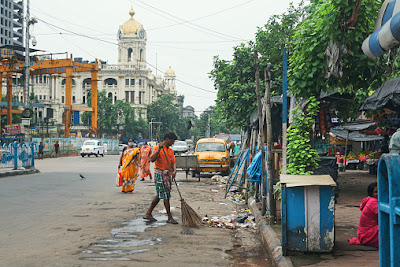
(119, 179)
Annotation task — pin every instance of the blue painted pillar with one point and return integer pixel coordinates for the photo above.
(389, 210)
(15, 145)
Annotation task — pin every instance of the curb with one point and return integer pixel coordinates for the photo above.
(269, 237)
(18, 172)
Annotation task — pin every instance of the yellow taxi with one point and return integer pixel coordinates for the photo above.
(213, 156)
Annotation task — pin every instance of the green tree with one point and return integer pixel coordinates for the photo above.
(325, 22)
(164, 110)
(235, 82)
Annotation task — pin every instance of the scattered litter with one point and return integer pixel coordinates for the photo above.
(214, 190)
(236, 197)
(223, 203)
(243, 220)
(220, 179)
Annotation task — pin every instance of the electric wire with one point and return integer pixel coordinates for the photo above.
(61, 35)
(175, 18)
(203, 17)
(194, 86)
(98, 39)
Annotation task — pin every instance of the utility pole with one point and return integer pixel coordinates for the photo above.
(261, 134)
(27, 69)
(267, 108)
(209, 126)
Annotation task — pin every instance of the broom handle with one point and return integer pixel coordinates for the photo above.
(169, 165)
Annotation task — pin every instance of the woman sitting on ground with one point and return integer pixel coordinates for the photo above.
(367, 233)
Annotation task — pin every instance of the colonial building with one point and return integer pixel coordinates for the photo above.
(129, 80)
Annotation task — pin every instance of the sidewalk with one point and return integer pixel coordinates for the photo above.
(20, 171)
(353, 189)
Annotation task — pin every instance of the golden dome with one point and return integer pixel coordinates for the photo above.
(131, 26)
(170, 71)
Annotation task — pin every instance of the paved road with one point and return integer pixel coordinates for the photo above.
(57, 218)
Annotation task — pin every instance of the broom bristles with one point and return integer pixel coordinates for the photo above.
(190, 218)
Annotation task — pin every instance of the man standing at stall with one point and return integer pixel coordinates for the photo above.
(164, 171)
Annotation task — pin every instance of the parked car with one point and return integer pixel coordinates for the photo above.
(213, 156)
(121, 147)
(180, 147)
(92, 147)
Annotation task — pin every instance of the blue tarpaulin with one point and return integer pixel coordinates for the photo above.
(254, 170)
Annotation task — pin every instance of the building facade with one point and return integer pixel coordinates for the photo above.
(11, 22)
(129, 80)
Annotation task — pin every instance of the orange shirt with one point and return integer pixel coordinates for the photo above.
(161, 161)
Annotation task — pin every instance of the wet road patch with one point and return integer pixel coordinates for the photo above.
(124, 238)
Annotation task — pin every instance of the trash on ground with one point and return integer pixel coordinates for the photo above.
(244, 220)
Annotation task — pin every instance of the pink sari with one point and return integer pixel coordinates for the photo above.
(367, 233)
(145, 162)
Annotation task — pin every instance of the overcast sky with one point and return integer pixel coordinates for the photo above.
(185, 35)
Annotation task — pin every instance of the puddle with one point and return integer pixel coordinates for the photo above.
(106, 259)
(128, 243)
(117, 251)
(125, 237)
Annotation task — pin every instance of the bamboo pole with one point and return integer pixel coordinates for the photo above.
(261, 134)
(267, 108)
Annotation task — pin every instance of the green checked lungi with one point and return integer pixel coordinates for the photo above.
(162, 180)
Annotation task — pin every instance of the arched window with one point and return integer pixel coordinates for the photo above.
(110, 81)
(141, 55)
(63, 82)
(87, 82)
(130, 54)
(109, 95)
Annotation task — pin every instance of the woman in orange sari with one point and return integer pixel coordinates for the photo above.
(130, 166)
(145, 153)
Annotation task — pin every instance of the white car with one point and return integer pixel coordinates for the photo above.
(92, 147)
(180, 147)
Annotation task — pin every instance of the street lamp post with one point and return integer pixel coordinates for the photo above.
(151, 129)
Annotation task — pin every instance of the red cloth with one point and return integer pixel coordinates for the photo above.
(367, 233)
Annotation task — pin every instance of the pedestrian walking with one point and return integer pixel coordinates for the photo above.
(145, 152)
(162, 157)
(129, 162)
(56, 148)
(40, 152)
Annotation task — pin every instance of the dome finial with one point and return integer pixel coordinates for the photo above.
(131, 12)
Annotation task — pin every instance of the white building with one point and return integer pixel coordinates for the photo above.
(130, 80)
(11, 20)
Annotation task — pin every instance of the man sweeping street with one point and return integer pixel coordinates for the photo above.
(164, 170)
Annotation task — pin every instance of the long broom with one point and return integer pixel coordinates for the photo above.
(190, 218)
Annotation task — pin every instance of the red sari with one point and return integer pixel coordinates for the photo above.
(367, 233)
(145, 152)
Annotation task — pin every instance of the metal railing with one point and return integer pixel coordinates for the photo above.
(14, 155)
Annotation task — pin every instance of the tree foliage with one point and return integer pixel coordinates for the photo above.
(302, 158)
(166, 111)
(235, 79)
(324, 22)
